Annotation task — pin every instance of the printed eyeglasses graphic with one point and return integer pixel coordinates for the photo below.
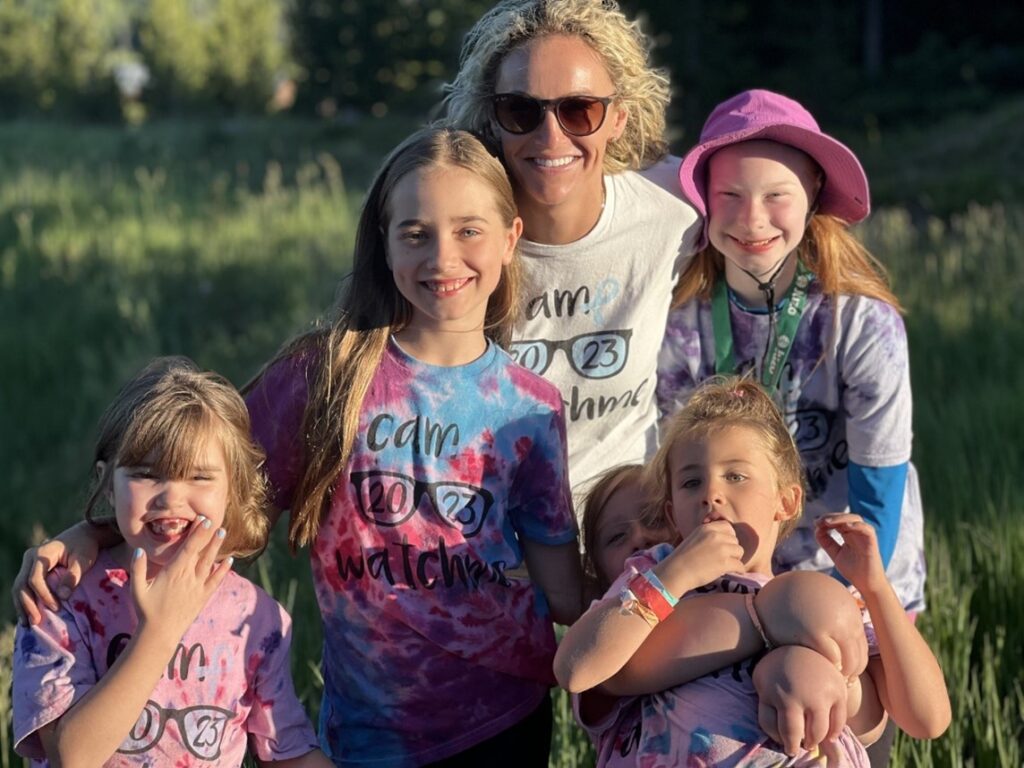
(391, 498)
(591, 355)
(201, 728)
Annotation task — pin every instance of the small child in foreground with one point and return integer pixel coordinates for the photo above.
(730, 485)
(161, 631)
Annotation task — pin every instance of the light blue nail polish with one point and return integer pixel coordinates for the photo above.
(231, 561)
(221, 533)
(137, 553)
(206, 523)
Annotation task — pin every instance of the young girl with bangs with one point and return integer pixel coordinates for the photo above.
(162, 630)
(728, 480)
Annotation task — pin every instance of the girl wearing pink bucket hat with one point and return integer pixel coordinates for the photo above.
(783, 290)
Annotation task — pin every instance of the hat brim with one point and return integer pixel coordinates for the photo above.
(844, 195)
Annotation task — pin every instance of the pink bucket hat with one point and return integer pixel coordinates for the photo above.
(759, 114)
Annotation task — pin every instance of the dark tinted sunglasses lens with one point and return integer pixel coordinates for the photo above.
(518, 114)
(580, 117)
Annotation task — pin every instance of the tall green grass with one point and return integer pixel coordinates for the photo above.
(219, 242)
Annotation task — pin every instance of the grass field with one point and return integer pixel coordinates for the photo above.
(219, 241)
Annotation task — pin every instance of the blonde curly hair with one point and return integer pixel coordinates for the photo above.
(640, 89)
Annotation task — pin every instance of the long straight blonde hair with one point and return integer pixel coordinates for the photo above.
(347, 351)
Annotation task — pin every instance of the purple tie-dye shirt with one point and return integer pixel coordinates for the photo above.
(227, 686)
(710, 721)
(432, 644)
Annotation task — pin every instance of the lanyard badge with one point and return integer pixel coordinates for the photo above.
(779, 342)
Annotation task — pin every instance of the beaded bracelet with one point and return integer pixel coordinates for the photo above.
(748, 601)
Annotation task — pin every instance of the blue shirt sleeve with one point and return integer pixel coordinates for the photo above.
(876, 494)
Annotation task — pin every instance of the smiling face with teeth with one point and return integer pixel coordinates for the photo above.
(727, 474)
(447, 244)
(558, 178)
(759, 196)
(155, 513)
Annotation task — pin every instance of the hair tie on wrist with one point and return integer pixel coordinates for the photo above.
(748, 601)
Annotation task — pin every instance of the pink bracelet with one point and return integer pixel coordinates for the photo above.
(748, 601)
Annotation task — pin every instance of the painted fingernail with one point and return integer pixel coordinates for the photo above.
(231, 561)
(137, 553)
(221, 533)
(206, 523)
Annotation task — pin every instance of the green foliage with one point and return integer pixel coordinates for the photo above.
(390, 54)
(247, 51)
(173, 43)
(24, 58)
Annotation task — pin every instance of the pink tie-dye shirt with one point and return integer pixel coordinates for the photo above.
(228, 685)
(431, 643)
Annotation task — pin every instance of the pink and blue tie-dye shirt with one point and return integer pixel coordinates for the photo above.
(431, 644)
(710, 721)
(228, 685)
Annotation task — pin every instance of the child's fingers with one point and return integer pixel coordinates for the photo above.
(815, 729)
(218, 573)
(768, 719)
(208, 555)
(792, 727)
(137, 570)
(25, 605)
(836, 720)
(196, 540)
(38, 567)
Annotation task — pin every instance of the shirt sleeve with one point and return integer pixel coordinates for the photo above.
(540, 502)
(277, 724)
(875, 384)
(277, 404)
(878, 406)
(876, 494)
(52, 670)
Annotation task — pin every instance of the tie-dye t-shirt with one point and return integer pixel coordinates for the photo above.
(710, 721)
(431, 644)
(845, 393)
(228, 684)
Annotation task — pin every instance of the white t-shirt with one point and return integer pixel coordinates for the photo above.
(596, 312)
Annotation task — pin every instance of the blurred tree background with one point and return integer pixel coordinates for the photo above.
(863, 65)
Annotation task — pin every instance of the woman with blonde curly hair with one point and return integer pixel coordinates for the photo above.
(566, 90)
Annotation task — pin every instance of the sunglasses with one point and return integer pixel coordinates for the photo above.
(577, 115)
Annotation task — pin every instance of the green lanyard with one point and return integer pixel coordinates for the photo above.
(781, 341)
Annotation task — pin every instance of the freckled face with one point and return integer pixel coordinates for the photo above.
(759, 196)
(552, 170)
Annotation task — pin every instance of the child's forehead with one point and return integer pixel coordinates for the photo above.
(177, 452)
(767, 153)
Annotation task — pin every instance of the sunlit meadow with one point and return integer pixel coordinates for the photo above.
(220, 242)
